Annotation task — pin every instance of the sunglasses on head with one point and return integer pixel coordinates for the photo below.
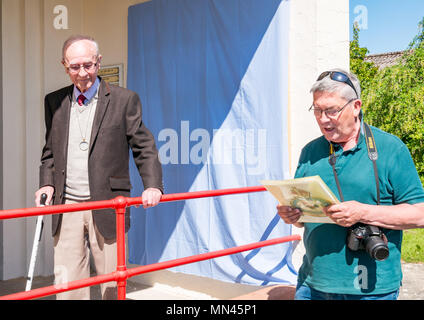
(338, 76)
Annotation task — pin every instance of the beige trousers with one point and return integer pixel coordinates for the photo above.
(77, 236)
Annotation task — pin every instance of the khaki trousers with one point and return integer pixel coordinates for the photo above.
(77, 236)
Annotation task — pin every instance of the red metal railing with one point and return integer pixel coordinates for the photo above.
(122, 273)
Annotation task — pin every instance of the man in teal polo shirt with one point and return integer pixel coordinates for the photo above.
(330, 269)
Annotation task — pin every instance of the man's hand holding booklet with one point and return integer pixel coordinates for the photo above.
(309, 194)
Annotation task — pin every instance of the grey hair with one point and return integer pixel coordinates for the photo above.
(76, 38)
(344, 90)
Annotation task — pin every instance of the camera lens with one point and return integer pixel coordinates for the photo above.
(381, 253)
(377, 249)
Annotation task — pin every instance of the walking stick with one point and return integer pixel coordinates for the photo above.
(37, 239)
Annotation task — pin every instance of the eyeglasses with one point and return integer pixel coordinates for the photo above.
(75, 68)
(330, 113)
(340, 77)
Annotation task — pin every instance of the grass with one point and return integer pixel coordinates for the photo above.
(413, 245)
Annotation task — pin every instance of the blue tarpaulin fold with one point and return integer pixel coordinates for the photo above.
(213, 79)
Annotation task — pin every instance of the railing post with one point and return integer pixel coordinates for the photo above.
(121, 268)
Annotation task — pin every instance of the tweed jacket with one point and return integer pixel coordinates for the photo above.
(117, 127)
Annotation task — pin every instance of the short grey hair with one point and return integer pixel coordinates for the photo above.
(344, 90)
(76, 38)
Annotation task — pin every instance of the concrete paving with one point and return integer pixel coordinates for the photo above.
(413, 282)
(135, 290)
(18, 285)
(412, 289)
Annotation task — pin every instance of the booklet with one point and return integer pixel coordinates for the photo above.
(310, 194)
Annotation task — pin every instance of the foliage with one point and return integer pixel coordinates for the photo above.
(393, 98)
(365, 71)
(413, 245)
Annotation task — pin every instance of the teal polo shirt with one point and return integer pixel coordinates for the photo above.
(328, 265)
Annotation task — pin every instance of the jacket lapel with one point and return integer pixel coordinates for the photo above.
(102, 105)
(66, 104)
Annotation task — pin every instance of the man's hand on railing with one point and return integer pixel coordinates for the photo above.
(151, 197)
(48, 190)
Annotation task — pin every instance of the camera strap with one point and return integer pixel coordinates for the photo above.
(372, 155)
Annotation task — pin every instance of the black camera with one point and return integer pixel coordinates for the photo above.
(369, 238)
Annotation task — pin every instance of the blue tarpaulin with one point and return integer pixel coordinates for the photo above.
(212, 76)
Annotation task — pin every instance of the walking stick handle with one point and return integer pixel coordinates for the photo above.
(43, 199)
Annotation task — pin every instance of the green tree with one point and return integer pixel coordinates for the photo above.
(393, 98)
(364, 70)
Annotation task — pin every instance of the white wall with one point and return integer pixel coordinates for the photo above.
(319, 40)
(319, 35)
(21, 122)
(31, 68)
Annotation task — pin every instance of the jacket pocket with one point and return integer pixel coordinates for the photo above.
(120, 183)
